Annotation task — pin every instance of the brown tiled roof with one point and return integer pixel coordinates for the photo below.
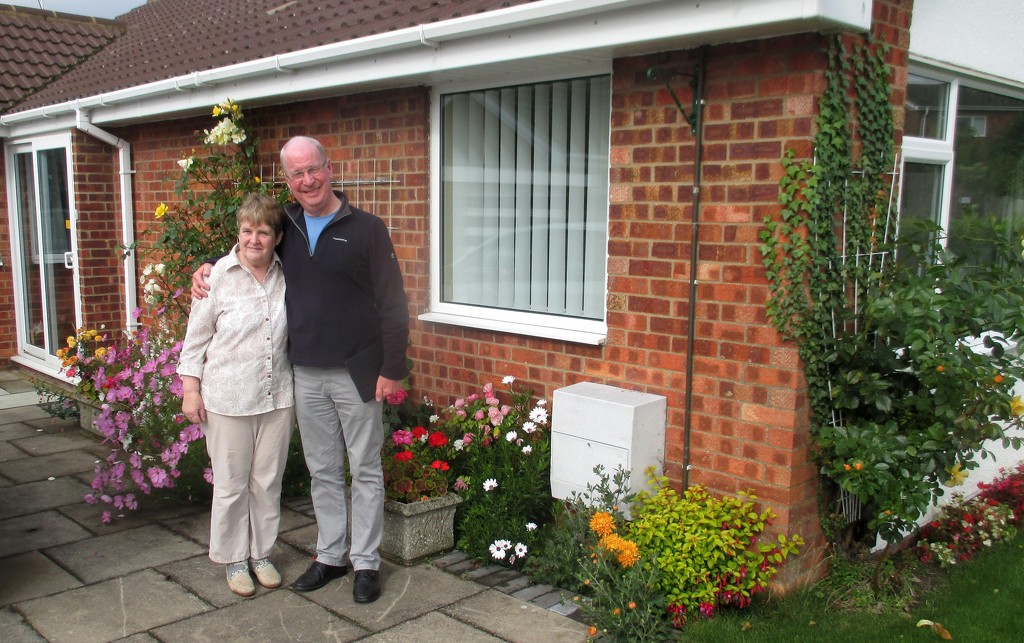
(38, 46)
(170, 38)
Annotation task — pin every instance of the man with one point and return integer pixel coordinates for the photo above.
(348, 329)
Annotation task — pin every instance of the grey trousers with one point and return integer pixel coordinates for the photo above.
(334, 424)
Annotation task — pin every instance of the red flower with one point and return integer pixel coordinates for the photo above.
(403, 456)
(418, 432)
(439, 464)
(437, 439)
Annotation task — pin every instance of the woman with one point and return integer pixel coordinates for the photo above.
(238, 384)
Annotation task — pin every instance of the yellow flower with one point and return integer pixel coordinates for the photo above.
(956, 476)
(602, 523)
(216, 111)
(72, 342)
(100, 352)
(1017, 405)
(161, 210)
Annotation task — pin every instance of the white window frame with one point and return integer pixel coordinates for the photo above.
(941, 151)
(28, 354)
(571, 329)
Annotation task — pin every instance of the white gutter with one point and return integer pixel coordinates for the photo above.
(530, 31)
(124, 151)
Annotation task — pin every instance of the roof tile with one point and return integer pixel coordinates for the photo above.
(168, 38)
(37, 46)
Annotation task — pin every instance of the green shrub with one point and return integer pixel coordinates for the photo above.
(708, 548)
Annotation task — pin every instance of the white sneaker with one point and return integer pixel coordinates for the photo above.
(266, 573)
(239, 580)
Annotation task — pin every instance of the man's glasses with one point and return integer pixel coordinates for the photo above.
(313, 172)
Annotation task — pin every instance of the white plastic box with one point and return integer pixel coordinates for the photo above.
(595, 424)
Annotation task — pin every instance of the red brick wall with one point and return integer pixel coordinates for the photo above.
(8, 338)
(98, 201)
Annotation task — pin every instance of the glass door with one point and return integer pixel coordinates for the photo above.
(42, 224)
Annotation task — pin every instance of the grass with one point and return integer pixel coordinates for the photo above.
(976, 601)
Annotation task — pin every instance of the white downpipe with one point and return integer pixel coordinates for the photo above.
(124, 150)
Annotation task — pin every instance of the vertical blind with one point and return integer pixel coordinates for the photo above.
(525, 197)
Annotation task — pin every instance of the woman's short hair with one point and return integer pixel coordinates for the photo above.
(259, 209)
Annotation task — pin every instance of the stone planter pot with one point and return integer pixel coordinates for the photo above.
(87, 412)
(415, 530)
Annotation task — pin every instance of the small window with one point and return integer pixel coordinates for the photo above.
(927, 101)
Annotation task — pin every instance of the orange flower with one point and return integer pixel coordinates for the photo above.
(940, 368)
(847, 467)
(631, 605)
(858, 466)
(591, 631)
(602, 524)
(997, 379)
(626, 551)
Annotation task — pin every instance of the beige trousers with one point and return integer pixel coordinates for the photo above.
(248, 454)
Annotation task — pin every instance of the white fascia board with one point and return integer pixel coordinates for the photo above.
(579, 31)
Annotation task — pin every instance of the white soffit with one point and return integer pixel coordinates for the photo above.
(552, 35)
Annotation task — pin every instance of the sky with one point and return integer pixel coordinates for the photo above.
(98, 8)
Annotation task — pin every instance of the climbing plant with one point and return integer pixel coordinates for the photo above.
(903, 344)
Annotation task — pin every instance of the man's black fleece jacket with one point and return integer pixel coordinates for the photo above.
(347, 294)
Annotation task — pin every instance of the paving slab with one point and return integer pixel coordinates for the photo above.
(14, 399)
(32, 575)
(408, 593)
(103, 557)
(10, 452)
(434, 627)
(15, 430)
(22, 499)
(46, 466)
(36, 415)
(14, 628)
(303, 538)
(112, 609)
(197, 525)
(37, 531)
(514, 620)
(16, 384)
(153, 509)
(46, 443)
(276, 616)
(206, 579)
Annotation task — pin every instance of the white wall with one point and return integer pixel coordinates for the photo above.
(983, 36)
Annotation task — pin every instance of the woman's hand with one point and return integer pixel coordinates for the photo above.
(192, 406)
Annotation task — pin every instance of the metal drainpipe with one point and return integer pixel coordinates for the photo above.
(698, 132)
(127, 210)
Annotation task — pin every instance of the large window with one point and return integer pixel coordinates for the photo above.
(522, 226)
(963, 157)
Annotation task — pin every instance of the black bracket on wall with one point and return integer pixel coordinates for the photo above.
(666, 75)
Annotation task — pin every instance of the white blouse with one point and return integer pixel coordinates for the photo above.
(237, 339)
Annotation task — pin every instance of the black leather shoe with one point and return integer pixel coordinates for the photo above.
(317, 576)
(366, 588)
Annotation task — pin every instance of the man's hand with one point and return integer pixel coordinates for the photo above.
(386, 387)
(199, 285)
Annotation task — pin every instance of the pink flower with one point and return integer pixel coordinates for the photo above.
(397, 397)
(401, 436)
(208, 475)
(158, 477)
